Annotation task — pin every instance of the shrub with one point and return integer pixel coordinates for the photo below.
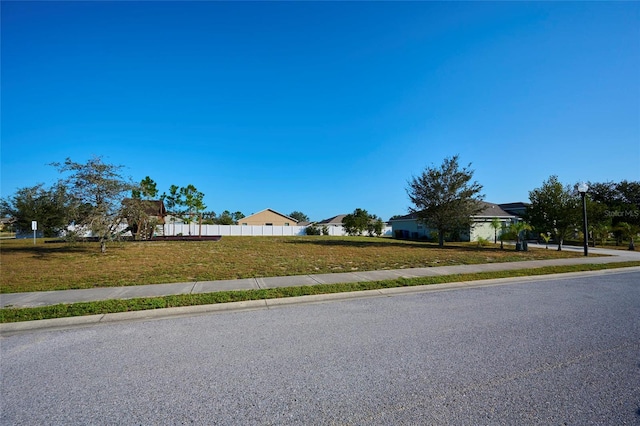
(312, 230)
(483, 242)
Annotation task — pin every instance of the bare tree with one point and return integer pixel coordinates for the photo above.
(98, 190)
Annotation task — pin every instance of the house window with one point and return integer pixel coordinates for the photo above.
(244, 224)
(286, 224)
(268, 224)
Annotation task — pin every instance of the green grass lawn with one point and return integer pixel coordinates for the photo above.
(58, 266)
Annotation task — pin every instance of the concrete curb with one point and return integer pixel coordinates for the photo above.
(155, 314)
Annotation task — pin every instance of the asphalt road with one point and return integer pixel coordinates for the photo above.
(548, 352)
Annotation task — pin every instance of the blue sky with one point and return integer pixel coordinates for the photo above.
(321, 107)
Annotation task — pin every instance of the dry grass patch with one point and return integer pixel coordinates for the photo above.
(57, 266)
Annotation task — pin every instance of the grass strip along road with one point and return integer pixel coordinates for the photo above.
(128, 305)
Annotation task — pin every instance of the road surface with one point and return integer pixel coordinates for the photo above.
(547, 352)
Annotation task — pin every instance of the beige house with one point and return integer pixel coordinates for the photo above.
(268, 217)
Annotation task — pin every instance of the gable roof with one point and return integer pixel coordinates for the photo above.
(492, 210)
(335, 220)
(272, 211)
(409, 216)
(516, 209)
(516, 205)
(488, 210)
(150, 207)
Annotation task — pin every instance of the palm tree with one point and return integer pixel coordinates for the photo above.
(517, 228)
(601, 233)
(495, 224)
(629, 231)
(546, 237)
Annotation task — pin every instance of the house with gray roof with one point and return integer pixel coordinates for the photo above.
(517, 209)
(332, 221)
(334, 226)
(411, 227)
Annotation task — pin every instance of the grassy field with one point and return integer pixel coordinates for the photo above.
(57, 266)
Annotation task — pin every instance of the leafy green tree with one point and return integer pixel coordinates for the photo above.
(597, 213)
(603, 192)
(225, 218)
(601, 233)
(375, 225)
(98, 189)
(192, 200)
(610, 203)
(237, 216)
(299, 216)
(148, 190)
(173, 202)
(554, 208)
(629, 232)
(313, 229)
(208, 218)
(51, 208)
(142, 223)
(356, 222)
(604, 201)
(445, 198)
(629, 194)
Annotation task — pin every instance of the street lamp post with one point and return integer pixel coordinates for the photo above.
(582, 189)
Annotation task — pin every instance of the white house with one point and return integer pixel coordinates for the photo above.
(410, 227)
(335, 226)
(482, 222)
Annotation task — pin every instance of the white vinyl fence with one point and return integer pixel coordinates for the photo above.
(194, 229)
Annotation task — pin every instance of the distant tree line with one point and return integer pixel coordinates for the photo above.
(446, 198)
(95, 196)
(224, 218)
(613, 210)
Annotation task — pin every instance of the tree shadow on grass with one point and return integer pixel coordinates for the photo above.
(376, 242)
(46, 250)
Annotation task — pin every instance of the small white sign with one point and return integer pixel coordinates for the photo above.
(34, 225)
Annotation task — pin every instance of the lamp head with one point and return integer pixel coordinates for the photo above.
(583, 188)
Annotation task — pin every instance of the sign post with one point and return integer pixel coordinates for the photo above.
(34, 227)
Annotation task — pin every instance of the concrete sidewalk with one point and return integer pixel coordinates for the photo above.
(46, 298)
